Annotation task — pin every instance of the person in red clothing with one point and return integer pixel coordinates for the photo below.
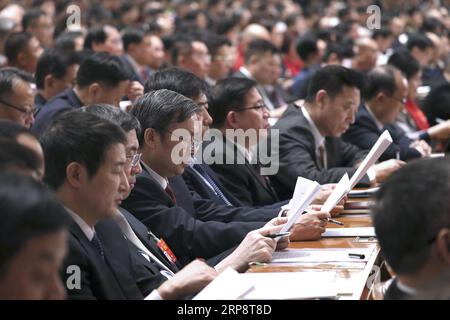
(413, 119)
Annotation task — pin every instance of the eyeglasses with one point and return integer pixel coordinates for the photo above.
(134, 159)
(259, 106)
(402, 101)
(28, 113)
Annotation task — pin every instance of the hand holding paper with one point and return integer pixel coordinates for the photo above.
(340, 191)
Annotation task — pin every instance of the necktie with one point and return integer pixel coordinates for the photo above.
(322, 157)
(171, 194)
(212, 184)
(131, 236)
(98, 246)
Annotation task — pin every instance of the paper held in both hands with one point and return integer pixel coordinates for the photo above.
(345, 184)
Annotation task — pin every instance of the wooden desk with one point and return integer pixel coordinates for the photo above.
(356, 278)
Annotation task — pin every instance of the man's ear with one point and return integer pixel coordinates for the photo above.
(443, 245)
(75, 174)
(231, 120)
(94, 90)
(321, 98)
(48, 81)
(150, 138)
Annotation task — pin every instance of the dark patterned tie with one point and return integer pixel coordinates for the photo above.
(213, 185)
(171, 194)
(98, 246)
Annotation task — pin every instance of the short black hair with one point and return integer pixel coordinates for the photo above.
(15, 43)
(380, 79)
(259, 47)
(228, 94)
(132, 36)
(410, 208)
(332, 79)
(29, 210)
(307, 46)
(31, 17)
(179, 80)
(111, 113)
(383, 32)
(14, 155)
(419, 40)
(8, 76)
(182, 45)
(77, 136)
(66, 41)
(55, 63)
(104, 68)
(160, 108)
(215, 42)
(95, 35)
(405, 62)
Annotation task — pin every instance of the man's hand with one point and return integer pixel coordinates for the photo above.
(324, 193)
(421, 146)
(189, 280)
(309, 226)
(384, 169)
(440, 131)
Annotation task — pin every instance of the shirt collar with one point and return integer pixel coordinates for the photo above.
(318, 138)
(161, 181)
(245, 72)
(377, 122)
(87, 230)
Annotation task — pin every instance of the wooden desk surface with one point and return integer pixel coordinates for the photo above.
(356, 278)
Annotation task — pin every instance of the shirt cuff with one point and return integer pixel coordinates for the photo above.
(372, 175)
(154, 295)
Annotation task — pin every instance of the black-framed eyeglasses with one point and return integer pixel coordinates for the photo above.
(134, 159)
(258, 106)
(402, 101)
(28, 113)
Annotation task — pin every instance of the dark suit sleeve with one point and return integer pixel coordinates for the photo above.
(185, 235)
(297, 158)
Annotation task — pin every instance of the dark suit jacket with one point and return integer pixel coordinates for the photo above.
(241, 178)
(135, 76)
(193, 227)
(64, 101)
(364, 133)
(113, 278)
(298, 155)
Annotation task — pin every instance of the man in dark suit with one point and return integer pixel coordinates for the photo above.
(263, 64)
(138, 53)
(101, 263)
(310, 143)
(415, 243)
(192, 226)
(385, 96)
(101, 78)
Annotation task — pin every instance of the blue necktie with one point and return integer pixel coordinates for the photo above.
(213, 185)
(98, 246)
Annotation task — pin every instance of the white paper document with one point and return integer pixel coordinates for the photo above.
(322, 255)
(304, 193)
(349, 232)
(225, 286)
(341, 189)
(377, 150)
(290, 285)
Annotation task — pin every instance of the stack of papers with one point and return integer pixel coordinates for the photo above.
(321, 255)
(365, 193)
(349, 232)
